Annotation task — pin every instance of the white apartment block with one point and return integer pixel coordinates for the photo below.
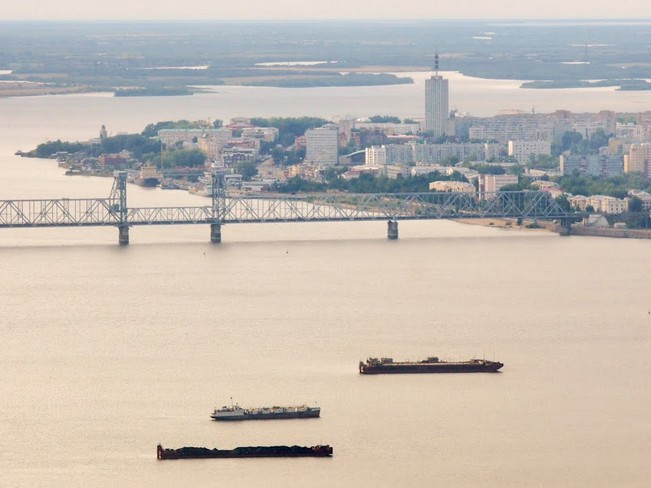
(429, 153)
(533, 126)
(322, 145)
(389, 154)
(522, 150)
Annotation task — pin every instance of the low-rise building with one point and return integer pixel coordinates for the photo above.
(452, 186)
(490, 184)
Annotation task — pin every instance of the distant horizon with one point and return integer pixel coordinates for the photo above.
(524, 20)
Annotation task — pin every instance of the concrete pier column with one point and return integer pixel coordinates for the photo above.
(123, 238)
(392, 229)
(565, 228)
(215, 233)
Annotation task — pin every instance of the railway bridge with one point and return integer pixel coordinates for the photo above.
(326, 207)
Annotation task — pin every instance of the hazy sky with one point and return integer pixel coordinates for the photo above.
(328, 9)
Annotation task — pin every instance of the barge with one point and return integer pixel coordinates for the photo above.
(429, 365)
(235, 412)
(243, 452)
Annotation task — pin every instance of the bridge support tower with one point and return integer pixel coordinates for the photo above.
(392, 229)
(216, 233)
(123, 236)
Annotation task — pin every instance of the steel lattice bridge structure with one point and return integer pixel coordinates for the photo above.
(228, 209)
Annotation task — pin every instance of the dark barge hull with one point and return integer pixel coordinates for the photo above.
(429, 365)
(439, 368)
(269, 416)
(243, 452)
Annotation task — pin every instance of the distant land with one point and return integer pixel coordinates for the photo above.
(173, 58)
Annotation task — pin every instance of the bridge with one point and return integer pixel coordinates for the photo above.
(327, 207)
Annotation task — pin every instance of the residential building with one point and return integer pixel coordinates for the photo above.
(452, 186)
(436, 105)
(637, 160)
(593, 164)
(322, 145)
(490, 184)
(429, 153)
(521, 151)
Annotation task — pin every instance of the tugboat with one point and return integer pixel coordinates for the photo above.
(429, 365)
(235, 412)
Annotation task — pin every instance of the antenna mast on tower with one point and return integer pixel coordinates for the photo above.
(436, 63)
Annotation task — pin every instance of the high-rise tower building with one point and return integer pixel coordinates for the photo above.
(436, 102)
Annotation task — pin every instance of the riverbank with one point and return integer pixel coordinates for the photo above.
(580, 230)
(30, 89)
(547, 226)
(510, 224)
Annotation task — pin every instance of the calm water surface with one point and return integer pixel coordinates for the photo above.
(107, 351)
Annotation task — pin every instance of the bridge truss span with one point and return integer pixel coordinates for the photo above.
(227, 209)
(57, 213)
(391, 206)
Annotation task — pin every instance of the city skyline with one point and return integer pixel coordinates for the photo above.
(335, 10)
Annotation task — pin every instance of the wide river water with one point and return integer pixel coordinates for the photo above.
(106, 351)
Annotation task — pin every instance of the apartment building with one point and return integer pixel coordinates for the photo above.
(521, 151)
(637, 160)
(322, 145)
(593, 165)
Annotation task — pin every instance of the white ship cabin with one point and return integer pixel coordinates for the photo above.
(232, 411)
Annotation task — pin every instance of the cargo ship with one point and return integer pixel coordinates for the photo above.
(429, 365)
(235, 412)
(244, 452)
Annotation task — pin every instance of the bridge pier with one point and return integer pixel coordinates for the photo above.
(392, 229)
(565, 227)
(215, 233)
(123, 236)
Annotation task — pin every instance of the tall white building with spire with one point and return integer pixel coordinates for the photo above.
(436, 102)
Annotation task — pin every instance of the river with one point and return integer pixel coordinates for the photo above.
(108, 350)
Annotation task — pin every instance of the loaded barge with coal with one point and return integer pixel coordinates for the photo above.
(235, 412)
(429, 365)
(243, 452)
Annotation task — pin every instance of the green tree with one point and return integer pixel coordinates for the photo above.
(184, 158)
(378, 119)
(248, 169)
(634, 204)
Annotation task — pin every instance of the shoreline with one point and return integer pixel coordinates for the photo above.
(547, 226)
(510, 224)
